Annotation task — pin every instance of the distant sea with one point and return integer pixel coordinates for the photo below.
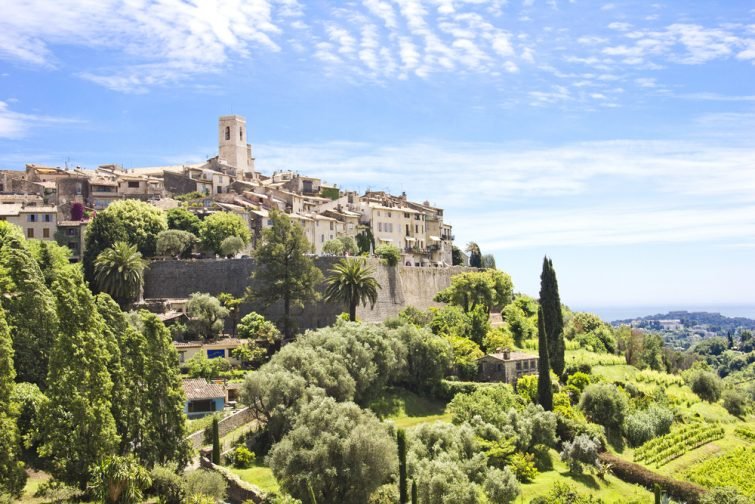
(611, 313)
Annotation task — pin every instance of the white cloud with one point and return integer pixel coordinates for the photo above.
(14, 125)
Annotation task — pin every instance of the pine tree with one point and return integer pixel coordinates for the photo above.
(402, 486)
(78, 428)
(12, 474)
(215, 441)
(544, 390)
(166, 426)
(29, 308)
(550, 302)
(414, 492)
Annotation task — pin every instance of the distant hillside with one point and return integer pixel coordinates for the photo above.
(715, 321)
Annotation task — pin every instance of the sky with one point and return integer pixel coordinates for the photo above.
(616, 137)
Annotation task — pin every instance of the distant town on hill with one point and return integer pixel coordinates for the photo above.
(684, 320)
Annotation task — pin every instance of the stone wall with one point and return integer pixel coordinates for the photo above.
(238, 491)
(225, 425)
(401, 286)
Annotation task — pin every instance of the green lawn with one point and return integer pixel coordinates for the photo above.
(36, 478)
(406, 409)
(612, 490)
(259, 475)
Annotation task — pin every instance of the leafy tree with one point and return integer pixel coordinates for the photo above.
(29, 401)
(119, 480)
(456, 258)
(141, 221)
(232, 304)
(255, 326)
(349, 245)
(604, 404)
(175, 243)
(390, 255)
(206, 314)
(12, 474)
(643, 425)
(652, 352)
(488, 261)
(169, 487)
(735, 402)
(119, 271)
(78, 428)
(450, 321)
(705, 384)
(220, 225)
(50, 257)
(475, 256)
(165, 438)
(284, 272)
(273, 396)
(199, 366)
(333, 247)
(250, 354)
(466, 352)
(521, 326)
(553, 320)
(340, 451)
(29, 307)
(582, 450)
(402, 483)
(103, 231)
(544, 386)
(490, 403)
(365, 241)
(181, 219)
(231, 246)
(491, 289)
(414, 316)
(351, 281)
(501, 485)
(526, 386)
(428, 357)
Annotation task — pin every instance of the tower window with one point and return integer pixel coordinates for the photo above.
(241, 134)
(227, 132)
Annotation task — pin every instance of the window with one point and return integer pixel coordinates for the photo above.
(416, 228)
(380, 227)
(241, 134)
(322, 238)
(133, 184)
(227, 132)
(71, 232)
(201, 406)
(181, 357)
(48, 218)
(31, 218)
(406, 215)
(30, 232)
(389, 215)
(518, 366)
(46, 233)
(216, 354)
(331, 225)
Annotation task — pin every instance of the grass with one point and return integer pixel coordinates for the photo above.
(407, 409)
(259, 475)
(36, 478)
(611, 490)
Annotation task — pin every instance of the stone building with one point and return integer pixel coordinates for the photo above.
(505, 366)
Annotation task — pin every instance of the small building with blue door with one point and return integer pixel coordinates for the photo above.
(203, 397)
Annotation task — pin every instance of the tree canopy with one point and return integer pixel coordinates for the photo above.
(491, 289)
(119, 272)
(550, 302)
(351, 281)
(284, 273)
(218, 226)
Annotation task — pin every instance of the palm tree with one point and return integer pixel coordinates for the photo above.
(119, 271)
(351, 282)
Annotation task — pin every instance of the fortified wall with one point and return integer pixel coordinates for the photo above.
(401, 286)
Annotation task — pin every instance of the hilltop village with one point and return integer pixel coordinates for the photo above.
(205, 334)
(41, 198)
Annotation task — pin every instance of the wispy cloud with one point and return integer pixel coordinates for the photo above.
(15, 125)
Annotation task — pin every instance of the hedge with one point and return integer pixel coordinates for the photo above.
(635, 473)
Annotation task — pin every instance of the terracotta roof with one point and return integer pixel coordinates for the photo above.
(200, 388)
(513, 356)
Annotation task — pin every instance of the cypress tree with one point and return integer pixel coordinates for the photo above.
(414, 492)
(215, 441)
(544, 390)
(402, 486)
(550, 302)
(12, 474)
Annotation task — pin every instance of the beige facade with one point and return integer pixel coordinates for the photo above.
(72, 235)
(37, 222)
(506, 366)
(221, 348)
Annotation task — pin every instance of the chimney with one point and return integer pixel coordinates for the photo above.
(506, 354)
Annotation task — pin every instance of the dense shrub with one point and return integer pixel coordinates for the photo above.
(207, 483)
(242, 457)
(725, 495)
(604, 404)
(167, 485)
(705, 384)
(500, 486)
(583, 450)
(523, 466)
(388, 254)
(735, 402)
(642, 426)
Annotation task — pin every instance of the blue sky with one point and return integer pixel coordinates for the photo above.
(616, 137)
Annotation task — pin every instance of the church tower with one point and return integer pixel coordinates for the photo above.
(233, 148)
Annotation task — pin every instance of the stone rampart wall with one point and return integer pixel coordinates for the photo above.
(401, 286)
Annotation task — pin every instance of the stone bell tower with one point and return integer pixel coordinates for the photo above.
(233, 148)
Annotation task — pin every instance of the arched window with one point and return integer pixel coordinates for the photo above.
(241, 134)
(227, 132)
